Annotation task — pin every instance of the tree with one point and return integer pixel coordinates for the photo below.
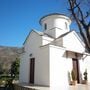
(14, 74)
(80, 12)
(14, 71)
(1, 69)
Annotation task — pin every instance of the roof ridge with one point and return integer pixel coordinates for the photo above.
(64, 34)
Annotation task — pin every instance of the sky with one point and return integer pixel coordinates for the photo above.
(19, 17)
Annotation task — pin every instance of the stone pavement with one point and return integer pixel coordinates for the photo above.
(76, 87)
(80, 87)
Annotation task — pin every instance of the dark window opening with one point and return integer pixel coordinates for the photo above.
(45, 26)
(32, 70)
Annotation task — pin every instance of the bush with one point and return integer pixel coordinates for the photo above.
(73, 74)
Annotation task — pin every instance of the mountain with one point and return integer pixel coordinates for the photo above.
(8, 55)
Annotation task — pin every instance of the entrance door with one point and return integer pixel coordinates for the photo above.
(32, 66)
(76, 68)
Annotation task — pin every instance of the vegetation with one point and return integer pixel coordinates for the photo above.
(80, 12)
(85, 75)
(73, 75)
(6, 79)
(14, 71)
(1, 69)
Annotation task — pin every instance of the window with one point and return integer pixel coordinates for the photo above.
(45, 26)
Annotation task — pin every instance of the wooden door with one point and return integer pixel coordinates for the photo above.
(76, 68)
(32, 67)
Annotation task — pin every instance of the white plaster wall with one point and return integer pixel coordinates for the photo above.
(73, 43)
(69, 64)
(49, 22)
(58, 42)
(61, 23)
(85, 64)
(31, 46)
(51, 32)
(53, 21)
(46, 40)
(82, 67)
(42, 67)
(41, 55)
(56, 25)
(58, 68)
(55, 32)
(24, 68)
(59, 32)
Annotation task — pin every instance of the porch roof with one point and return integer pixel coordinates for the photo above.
(74, 54)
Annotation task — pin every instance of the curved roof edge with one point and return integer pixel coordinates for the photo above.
(51, 14)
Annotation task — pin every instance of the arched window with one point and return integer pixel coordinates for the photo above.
(45, 26)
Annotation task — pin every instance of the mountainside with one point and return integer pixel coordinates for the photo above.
(8, 55)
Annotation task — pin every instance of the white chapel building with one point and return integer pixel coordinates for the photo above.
(49, 55)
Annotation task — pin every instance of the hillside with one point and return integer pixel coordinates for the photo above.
(8, 55)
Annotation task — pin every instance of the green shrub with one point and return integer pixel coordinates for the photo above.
(73, 75)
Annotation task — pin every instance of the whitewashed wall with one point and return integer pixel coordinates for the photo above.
(31, 47)
(51, 63)
(56, 25)
(85, 64)
(72, 42)
(24, 69)
(59, 68)
(58, 21)
(42, 67)
(46, 40)
(41, 55)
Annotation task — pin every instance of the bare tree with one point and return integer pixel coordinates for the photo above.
(81, 14)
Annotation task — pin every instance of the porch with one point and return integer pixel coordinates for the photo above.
(80, 87)
(36, 87)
